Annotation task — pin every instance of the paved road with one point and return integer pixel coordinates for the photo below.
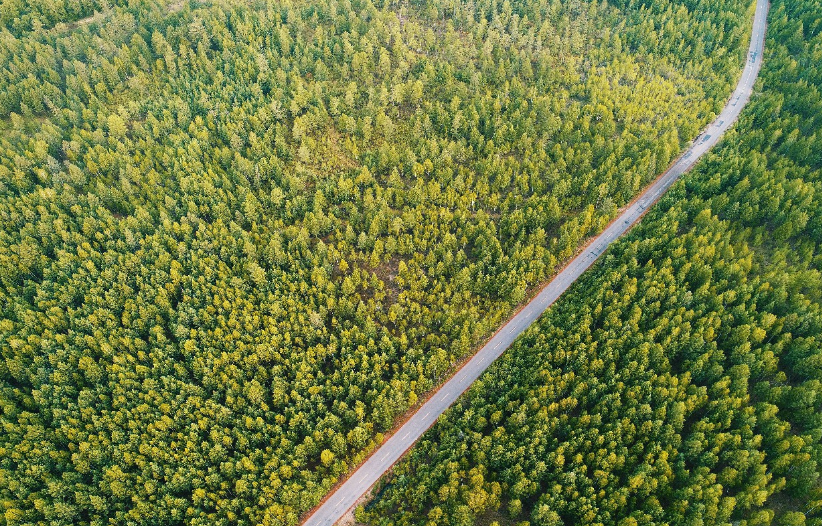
(339, 502)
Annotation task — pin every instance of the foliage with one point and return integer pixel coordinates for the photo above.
(239, 239)
(679, 381)
(20, 17)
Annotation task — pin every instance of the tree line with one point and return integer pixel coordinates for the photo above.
(678, 382)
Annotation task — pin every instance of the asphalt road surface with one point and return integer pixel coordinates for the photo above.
(339, 502)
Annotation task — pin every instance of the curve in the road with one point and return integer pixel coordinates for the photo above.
(347, 494)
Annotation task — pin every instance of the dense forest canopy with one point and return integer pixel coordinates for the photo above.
(679, 382)
(239, 239)
(21, 17)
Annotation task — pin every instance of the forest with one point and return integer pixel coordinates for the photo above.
(680, 381)
(239, 239)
